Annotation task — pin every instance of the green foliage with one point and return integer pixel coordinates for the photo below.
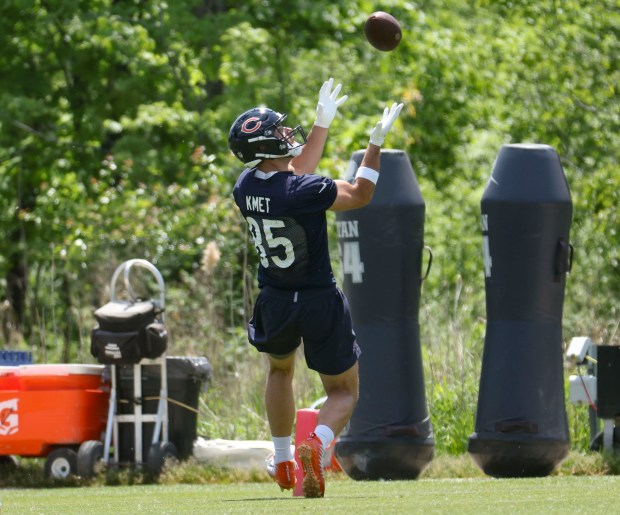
(452, 417)
(113, 126)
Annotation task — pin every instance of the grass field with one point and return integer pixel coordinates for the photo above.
(599, 494)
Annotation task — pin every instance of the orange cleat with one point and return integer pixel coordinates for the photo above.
(311, 455)
(282, 473)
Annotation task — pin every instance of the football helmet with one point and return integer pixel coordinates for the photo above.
(258, 134)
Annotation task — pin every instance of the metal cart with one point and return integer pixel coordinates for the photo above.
(95, 455)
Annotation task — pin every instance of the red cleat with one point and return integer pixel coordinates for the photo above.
(282, 473)
(311, 456)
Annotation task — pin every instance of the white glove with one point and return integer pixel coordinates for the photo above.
(328, 105)
(377, 135)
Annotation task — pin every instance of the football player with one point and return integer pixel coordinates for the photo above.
(284, 204)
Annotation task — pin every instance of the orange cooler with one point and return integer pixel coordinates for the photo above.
(48, 406)
(9, 379)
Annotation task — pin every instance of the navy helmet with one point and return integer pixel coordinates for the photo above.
(258, 134)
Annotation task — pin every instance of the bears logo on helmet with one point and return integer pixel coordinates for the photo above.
(253, 128)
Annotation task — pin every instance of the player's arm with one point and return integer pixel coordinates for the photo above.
(360, 193)
(326, 109)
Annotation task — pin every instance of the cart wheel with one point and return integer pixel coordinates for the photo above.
(90, 458)
(61, 463)
(162, 455)
(8, 464)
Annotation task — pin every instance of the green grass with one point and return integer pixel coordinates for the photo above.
(553, 494)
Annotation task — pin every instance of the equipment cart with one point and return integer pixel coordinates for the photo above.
(130, 336)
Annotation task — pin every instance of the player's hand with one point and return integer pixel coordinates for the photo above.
(328, 105)
(377, 135)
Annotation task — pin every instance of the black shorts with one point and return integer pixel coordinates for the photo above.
(320, 317)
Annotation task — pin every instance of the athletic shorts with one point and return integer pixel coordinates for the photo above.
(320, 317)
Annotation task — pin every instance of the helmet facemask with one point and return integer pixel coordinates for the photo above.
(288, 135)
(277, 141)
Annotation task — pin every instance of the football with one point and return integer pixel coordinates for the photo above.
(383, 31)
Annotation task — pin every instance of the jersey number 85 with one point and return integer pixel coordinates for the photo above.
(269, 246)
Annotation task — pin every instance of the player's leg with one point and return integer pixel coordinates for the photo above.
(331, 350)
(270, 330)
(279, 400)
(280, 407)
(342, 392)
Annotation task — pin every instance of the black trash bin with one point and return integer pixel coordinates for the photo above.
(187, 376)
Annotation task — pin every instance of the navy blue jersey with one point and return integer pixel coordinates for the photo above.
(286, 216)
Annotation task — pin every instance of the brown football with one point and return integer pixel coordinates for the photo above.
(383, 31)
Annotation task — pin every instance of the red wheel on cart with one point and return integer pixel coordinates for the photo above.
(90, 458)
(162, 455)
(61, 463)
